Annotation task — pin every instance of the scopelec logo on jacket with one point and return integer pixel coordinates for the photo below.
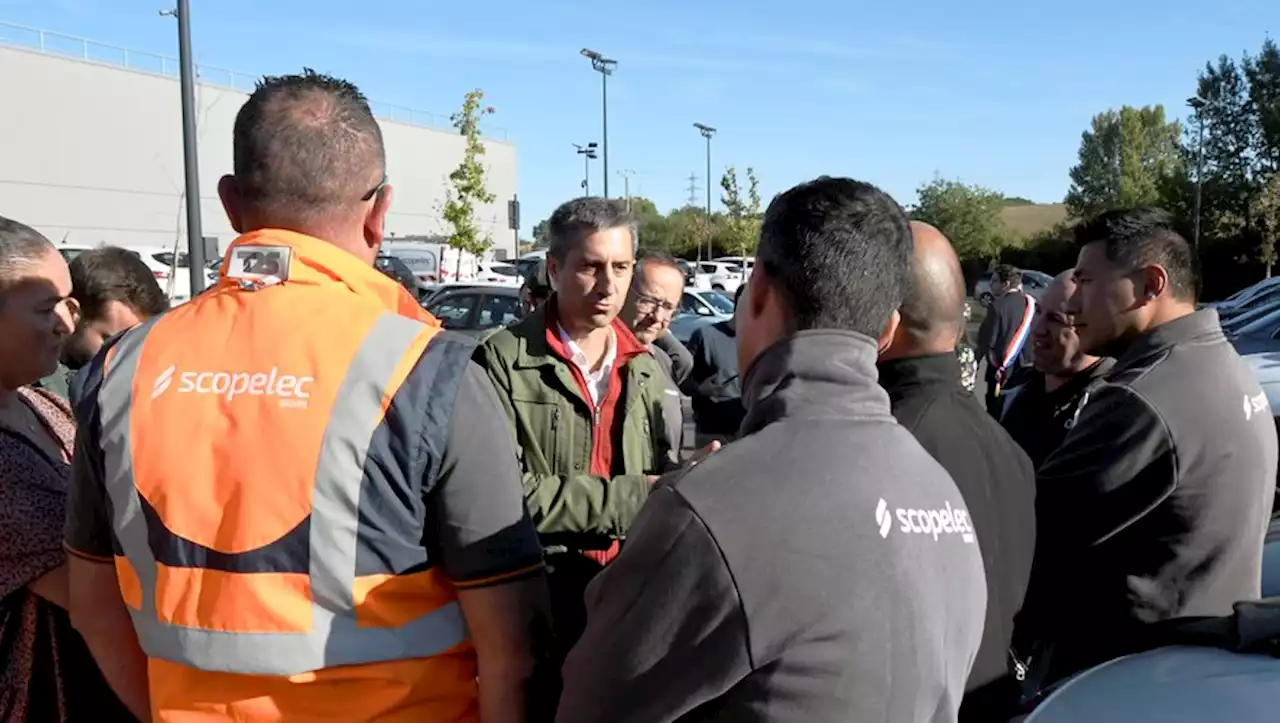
(936, 523)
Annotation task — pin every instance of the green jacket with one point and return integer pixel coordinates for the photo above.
(553, 424)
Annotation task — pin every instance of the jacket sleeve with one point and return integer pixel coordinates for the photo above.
(666, 631)
(1114, 466)
(581, 503)
(681, 359)
(699, 369)
(987, 332)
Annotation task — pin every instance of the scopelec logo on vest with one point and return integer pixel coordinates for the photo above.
(289, 389)
(936, 522)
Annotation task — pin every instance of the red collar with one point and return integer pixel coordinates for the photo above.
(628, 345)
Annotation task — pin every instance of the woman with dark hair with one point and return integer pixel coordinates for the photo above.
(46, 671)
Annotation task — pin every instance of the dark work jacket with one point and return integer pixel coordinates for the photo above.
(1038, 420)
(714, 384)
(1157, 502)
(819, 569)
(998, 483)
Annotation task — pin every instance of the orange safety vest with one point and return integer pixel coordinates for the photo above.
(266, 450)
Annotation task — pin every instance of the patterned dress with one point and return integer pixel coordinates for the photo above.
(965, 353)
(46, 672)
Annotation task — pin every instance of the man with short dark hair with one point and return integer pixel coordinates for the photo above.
(822, 567)
(585, 400)
(1002, 338)
(1039, 412)
(651, 303)
(113, 290)
(1156, 504)
(921, 372)
(294, 497)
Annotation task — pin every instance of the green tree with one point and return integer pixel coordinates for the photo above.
(742, 223)
(467, 182)
(968, 215)
(1263, 74)
(1230, 141)
(540, 237)
(1266, 211)
(1125, 159)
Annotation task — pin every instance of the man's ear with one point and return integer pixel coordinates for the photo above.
(231, 203)
(889, 333)
(1155, 281)
(375, 222)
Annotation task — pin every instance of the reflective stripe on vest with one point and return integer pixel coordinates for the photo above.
(335, 636)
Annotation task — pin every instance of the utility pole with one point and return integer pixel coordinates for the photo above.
(604, 66)
(588, 153)
(693, 189)
(626, 174)
(187, 76)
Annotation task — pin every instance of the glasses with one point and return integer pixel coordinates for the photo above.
(646, 304)
(374, 191)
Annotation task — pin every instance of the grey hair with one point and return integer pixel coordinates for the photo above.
(21, 249)
(575, 220)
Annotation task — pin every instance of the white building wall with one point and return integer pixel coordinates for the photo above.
(92, 152)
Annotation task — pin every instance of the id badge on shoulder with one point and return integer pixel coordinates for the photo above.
(256, 266)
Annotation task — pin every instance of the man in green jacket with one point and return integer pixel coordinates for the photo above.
(585, 398)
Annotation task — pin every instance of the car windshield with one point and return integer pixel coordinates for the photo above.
(166, 258)
(419, 262)
(721, 301)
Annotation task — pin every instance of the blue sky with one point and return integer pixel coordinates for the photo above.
(989, 92)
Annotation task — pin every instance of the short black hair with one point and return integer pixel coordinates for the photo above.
(1007, 274)
(575, 220)
(840, 252)
(110, 273)
(1143, 236)
(21, 247)
(306, 144)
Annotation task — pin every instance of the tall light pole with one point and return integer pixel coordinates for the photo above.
(1197, 104)
(588, 153)
(604, 66)
(187, 76)
(707, 131)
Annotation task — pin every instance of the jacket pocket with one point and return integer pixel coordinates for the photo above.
(541, 423)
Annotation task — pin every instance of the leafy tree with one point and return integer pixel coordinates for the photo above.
(968, 215)
(1125, 158)
(1018, 201)
(1230, 133)
(467, 182)
(1266, 210)
(1263, 73)
(540, 237)
(742, 223)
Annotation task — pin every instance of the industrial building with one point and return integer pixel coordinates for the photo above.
(91, 148)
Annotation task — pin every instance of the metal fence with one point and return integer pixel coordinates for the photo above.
(70, 46)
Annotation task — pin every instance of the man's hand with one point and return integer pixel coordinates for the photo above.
(703, 453)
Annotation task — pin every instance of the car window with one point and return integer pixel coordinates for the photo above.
(720, 301)
(689, 304)
(420, 262)
(454, 310)
(504, 269)
(165, 258)
(498, 310)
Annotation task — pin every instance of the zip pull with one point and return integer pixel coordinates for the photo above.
(555, 419)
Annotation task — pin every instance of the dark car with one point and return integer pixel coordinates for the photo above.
(399, 271)
(477, 311)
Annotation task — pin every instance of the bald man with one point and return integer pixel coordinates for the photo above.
(920, 371)
(1040, 412)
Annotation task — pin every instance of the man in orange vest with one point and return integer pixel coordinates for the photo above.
(295, 497)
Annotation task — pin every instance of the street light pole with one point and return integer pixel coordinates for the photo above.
(187, 84)
(588, 153)
(626, 174)
(604, 66)
(707, 131)
(1197, 104)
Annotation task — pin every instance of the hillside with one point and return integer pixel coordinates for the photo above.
(1028, 219)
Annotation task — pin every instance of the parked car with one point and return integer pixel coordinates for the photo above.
(1033, 282)
(722, 276)
(171, 273)
(477, 310)
(396, 269)
(1244, 296)
(498, 272)
(699, 307)
(431, 291)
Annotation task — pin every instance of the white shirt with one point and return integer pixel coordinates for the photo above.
(598, 380)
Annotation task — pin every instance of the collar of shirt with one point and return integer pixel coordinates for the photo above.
(597, 380)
